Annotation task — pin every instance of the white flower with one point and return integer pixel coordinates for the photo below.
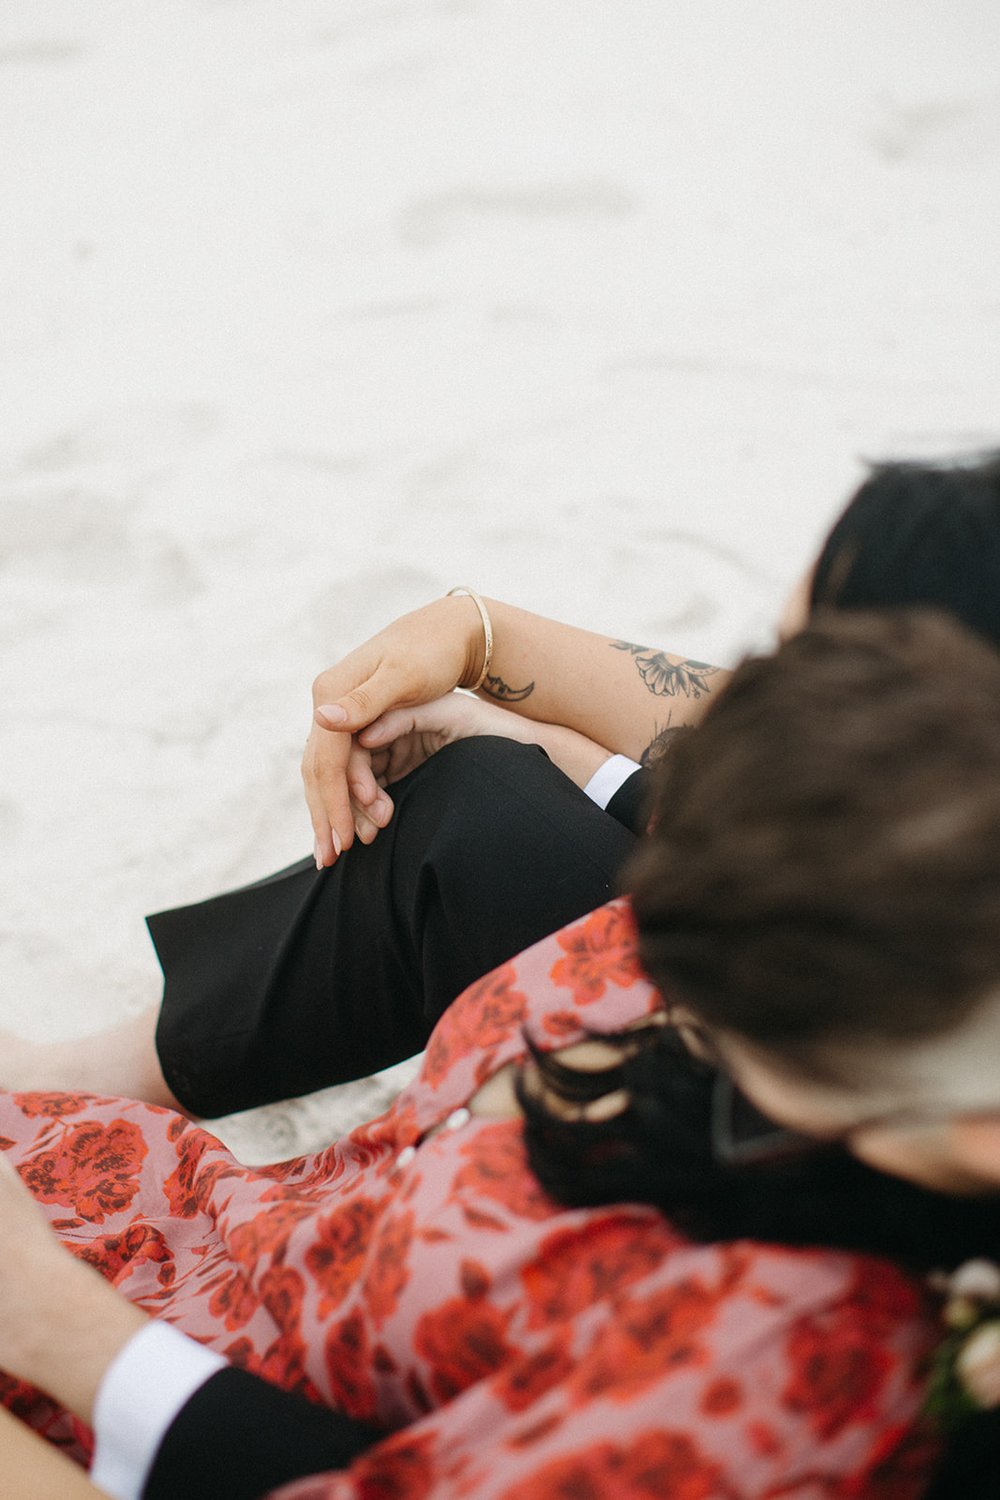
(978, 1365)
(978, 1279)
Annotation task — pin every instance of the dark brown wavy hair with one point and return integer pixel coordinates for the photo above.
(825, 861)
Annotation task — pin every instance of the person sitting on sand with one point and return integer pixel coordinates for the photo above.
(304, 979)
(555, 1265)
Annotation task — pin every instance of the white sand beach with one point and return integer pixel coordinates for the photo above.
(313, 310)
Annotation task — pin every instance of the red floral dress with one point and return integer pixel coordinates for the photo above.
(513, 1349)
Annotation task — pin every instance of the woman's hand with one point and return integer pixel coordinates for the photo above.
(404, 738)
(61, 1324)
(582, 691)
(371, 805)
(414, 660)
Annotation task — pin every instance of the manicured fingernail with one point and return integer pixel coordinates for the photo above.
(333, 713)
(338, 847)
(317, 856)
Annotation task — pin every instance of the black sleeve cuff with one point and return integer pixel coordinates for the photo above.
(631, 803)
(237, 1438)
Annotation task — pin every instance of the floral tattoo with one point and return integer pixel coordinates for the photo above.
(666, 678)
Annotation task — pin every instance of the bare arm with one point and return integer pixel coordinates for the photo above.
(33, 1470)
(61, 1323)
(619, 695)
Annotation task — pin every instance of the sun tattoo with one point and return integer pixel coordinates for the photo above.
(666, 678)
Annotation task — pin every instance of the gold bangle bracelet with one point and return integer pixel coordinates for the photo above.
(484, 615)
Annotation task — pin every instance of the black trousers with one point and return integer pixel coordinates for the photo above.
(311, 978)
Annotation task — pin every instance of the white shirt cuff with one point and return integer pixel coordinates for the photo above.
(143, 1389)
(607, 779)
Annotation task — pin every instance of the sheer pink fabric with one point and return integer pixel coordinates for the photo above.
(511, 1348)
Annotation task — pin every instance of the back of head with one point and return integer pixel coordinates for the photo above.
(919, 533)
(824, 872)
(825, 865)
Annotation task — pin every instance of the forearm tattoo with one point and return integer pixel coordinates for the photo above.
(666, 678)
(495, 687)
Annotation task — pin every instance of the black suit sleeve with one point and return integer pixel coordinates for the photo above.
(238, 1437)
(631, 803)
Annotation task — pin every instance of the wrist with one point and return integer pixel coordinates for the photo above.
(479, 647)
(577, 757)
(80, 1325)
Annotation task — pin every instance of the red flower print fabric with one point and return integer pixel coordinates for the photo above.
(335, 1258)
(494, 1175)
(578, 1265)
(598, 951)
(511, 1349)
(836, 1373)
(655, 1464)
(91, 1169)
(481, 1018)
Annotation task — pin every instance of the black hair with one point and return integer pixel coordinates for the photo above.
(919, 533)
(658, 1151)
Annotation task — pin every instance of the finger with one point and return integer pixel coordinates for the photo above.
(324, 766)
(391, 725)
(405, 755)
(330, 759)
(382, 809)
(389, 765)
(325, 847)
(386, 687)
(361, 778)
(336, 799)
(369, 820)
(365, 828)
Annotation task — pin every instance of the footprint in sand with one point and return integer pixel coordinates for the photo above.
(430, 221)
(40, 54)
(942, 130)
(73, 537)
(140, 434)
